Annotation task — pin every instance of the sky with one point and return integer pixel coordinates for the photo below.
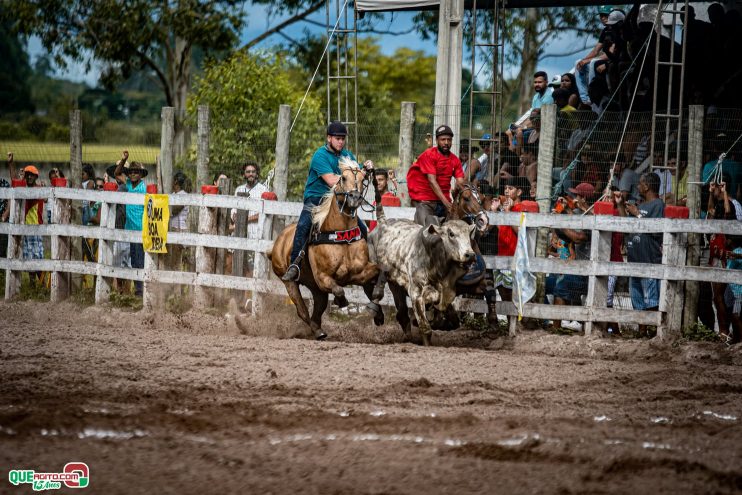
(260, 19)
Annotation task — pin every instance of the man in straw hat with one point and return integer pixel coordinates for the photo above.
(134, 183)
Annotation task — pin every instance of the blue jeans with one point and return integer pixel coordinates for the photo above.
(304, 227)
(137, 261)
(583, 78)
(645, 293)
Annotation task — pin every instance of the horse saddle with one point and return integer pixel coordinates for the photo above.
(336, 237)
(475, 274)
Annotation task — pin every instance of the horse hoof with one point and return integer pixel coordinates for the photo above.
(321, 335)
(340, 302)
(426, 340)
(376, 312)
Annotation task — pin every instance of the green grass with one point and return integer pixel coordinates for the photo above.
(125, 301)
(700, 333)
(30, 151)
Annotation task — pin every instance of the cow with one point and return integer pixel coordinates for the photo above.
(422, 262)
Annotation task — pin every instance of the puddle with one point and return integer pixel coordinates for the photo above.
(601, 418)
(660, 420)
(725, 417)
(367, 437)
(518, 440)
(377, 413)
(111, 434)
(658, 446)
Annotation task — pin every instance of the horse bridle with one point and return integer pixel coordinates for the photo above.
(470, 218)
(364, 188)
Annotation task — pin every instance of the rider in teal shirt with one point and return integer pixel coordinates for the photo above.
(324, 172)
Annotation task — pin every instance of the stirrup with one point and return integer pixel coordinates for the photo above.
(292, 276)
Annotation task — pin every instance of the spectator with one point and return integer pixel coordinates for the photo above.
(569, 289)
(729, 166)
(721, 207)
(429, 178)
(482, 175)
(469, 165)
(88, 182)
(644, 248)
(178, 223)
(218, 177)
(54, 173)
(528, 167)
(561, 99)
(33, 245)
(121, 251)
(569, 83)
(254, 190)
(507, 236)
(627, 182)
(616, 257)
(542, 94)
(733, 293)
(134, 183)
(558, 248)
(382, 185)
(666, 176)
(4, 214)
(585, 67)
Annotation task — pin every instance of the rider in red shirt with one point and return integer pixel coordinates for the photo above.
(429, 178)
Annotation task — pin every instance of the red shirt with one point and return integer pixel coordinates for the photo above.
(432, 161)
(507, 239)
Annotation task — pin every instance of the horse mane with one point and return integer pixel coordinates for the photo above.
(320, 212)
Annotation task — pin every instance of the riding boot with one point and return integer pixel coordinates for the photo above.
(294, 271)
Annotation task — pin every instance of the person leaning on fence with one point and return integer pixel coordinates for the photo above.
(733, 293)
(121, 251)
(254, 189)
(644, 248)
(721, 207)
(324, 173)
(33, 245)
(4, 215)
(134, 183)
(178, 223)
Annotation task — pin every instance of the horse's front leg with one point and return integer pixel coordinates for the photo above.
(319, 299)
(328, 284)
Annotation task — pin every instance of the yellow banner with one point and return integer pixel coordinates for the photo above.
(155, 222)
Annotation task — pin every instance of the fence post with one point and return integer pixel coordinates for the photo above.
(13, 277)
(75, 149)
(105, 253)
(546, 154)
(61, 281)
(167, 151)
(202, 159)
(261, 271)
(240, 231)
(283, 143)
(406, 148)
(671, 291)
(205, 257)
(695, 164)
(597, 287)
(222, 224)
(149, 292)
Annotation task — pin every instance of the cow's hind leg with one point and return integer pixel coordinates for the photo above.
(320, 304)
(418, 308)
(373, 306)
(403, 312)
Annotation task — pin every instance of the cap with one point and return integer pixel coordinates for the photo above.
(605, 10)
(337, 128)
(556, 82)
(31, 169)
(584, 189)
(615, 17)
(443, 130)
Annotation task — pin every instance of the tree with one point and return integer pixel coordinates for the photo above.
(243, 94)
(527, 34)
(157, 36)
(15, 73)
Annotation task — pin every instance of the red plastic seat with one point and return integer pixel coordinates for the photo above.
(672, 211)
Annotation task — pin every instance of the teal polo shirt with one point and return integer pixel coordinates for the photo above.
(324, 161)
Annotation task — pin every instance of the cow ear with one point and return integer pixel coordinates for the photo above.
(431, 234)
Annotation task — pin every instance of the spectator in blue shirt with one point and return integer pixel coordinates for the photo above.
(134, 183)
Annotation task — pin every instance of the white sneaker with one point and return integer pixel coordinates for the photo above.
(571, 325)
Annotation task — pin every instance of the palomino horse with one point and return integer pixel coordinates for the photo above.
(337, 255)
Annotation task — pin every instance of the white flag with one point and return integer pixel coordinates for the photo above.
(524, 282)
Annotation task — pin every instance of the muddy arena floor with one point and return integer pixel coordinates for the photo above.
(198, 403)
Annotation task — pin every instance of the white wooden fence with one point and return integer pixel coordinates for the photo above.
(672, 272)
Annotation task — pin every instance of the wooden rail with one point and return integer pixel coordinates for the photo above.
(672, 272)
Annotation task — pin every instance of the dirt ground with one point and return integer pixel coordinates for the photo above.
(190, 404)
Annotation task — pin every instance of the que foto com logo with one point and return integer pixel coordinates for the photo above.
(74, 475)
